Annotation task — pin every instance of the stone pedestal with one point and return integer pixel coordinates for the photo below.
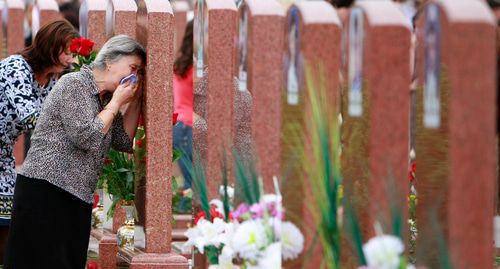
(455, 135)
(307, 59)
(375, 129)
(121, 18)
(159, 261)
(181, 9)
(155, 32)
(15, 26)
(216, 50)
(259, 70)
(93, 21)
(44, 11)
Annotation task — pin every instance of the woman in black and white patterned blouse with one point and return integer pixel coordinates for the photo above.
(86, 113)
(25, 81)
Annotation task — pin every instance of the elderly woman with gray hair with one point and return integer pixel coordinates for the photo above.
(82, 118)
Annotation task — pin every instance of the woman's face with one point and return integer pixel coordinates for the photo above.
(125, 66)
(65, 60)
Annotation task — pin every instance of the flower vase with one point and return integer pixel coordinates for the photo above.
(98, 212)
(125, 233)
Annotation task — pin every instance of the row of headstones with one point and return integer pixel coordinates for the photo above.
(370, 46)
(151, 22)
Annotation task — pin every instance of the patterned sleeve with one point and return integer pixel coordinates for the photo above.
(17, 80)
(120, 140)
(81, 125)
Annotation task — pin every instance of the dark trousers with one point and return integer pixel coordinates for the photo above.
(50, 228)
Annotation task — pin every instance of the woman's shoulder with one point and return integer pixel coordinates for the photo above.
(71, 79)
(15, 65)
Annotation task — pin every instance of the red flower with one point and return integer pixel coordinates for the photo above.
(81, 46)
(412, 172)
(75, 45)
(200, 215)
(140, 120)
(174, 118)
(215, 214)
(107, 161)
(96, 200)
(139, 143)
(92, 265)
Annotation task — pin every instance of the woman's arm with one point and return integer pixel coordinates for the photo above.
(131, 117)
(125, 125)
(124, 94)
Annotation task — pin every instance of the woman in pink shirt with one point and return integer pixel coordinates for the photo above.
(183, 103)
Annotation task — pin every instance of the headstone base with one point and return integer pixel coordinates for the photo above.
(159, 261)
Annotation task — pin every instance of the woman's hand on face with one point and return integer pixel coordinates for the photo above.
(138, 91)
(125, 93)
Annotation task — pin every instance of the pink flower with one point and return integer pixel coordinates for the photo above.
(257, 211)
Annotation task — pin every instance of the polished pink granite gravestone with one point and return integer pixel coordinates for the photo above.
(155, 31)
(312, 44)
(121, 18)
(376, 107)
(455, 132)
(93, 21)
(181, 9)
(43, 12)
(260, 65)
(221, 37)
(108, 248)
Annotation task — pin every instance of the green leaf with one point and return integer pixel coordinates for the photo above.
(225, 198)
(177, 154)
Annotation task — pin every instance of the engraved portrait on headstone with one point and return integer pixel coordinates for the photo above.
(110, 19)
(35, 19)
(5, 19)
(292, 71)
(84, 18)
(355, 74)
(432, 64)
(243, 48)
(200, 37)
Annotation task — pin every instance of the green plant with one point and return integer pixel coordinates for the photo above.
(117, 177)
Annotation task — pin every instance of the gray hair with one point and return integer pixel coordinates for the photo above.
(117, 47)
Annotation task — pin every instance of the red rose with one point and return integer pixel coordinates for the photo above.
(174, 118)
(75, 45)
(81, 46)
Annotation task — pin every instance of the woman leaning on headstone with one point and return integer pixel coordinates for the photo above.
(81, 119)
(26, 78)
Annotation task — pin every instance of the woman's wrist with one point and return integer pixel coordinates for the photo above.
(113, 108)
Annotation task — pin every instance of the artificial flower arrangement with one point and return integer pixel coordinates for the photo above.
(252, 234)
